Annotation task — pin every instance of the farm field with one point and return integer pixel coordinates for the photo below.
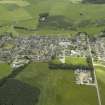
(101, 81)
(39, 83)
(61, 20)
(20, 3)
(5, 70)
(54, 87)
(76, 60)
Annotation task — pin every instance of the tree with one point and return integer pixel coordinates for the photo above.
(43, 17)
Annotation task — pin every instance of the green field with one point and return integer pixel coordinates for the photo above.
(56, 87)
(76, 60)
(71, 61)
(65, 17)
(5, 70)
(20, 3)
(101, 80)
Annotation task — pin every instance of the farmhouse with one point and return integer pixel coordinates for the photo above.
(83, 77)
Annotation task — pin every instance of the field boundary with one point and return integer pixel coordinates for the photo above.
(95, 77)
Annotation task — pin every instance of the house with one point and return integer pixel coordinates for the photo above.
(19, 62)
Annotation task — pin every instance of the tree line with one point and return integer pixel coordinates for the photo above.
(89, 65)
(94, 1)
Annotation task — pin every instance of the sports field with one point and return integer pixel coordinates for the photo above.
(71, 61)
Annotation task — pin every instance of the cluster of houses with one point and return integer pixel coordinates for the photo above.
(19, 51)
(41, 48)
(98, 49)
(83, 77)
(19, 62)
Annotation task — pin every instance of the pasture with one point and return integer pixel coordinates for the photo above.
(5, 70)
(57, 86)
(65, 17)
(38, 85)
(101, 81)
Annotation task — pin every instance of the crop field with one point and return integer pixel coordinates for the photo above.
(65, 16)
(101, 81)
(41, 86)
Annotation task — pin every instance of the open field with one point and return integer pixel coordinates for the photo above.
(76, 60)
(72, 61)
(38, 84)
(13, 16)
(101, 81)
(75, 1)
(4, 70)
(65, 17)
(20, 3)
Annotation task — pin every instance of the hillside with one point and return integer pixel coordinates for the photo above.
(64, 17)
(94, 1)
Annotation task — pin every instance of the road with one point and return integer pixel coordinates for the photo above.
(95, 77)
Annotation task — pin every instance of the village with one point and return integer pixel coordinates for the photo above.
(41, 48)
(19, 51)
(98, 49)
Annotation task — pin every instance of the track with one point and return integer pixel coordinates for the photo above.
(96, 82)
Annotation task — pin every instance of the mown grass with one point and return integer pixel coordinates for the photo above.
(76, 60)
(72, 61)
(101, 81)
(15, 15)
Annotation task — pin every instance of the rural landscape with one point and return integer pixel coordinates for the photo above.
(52, 52)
